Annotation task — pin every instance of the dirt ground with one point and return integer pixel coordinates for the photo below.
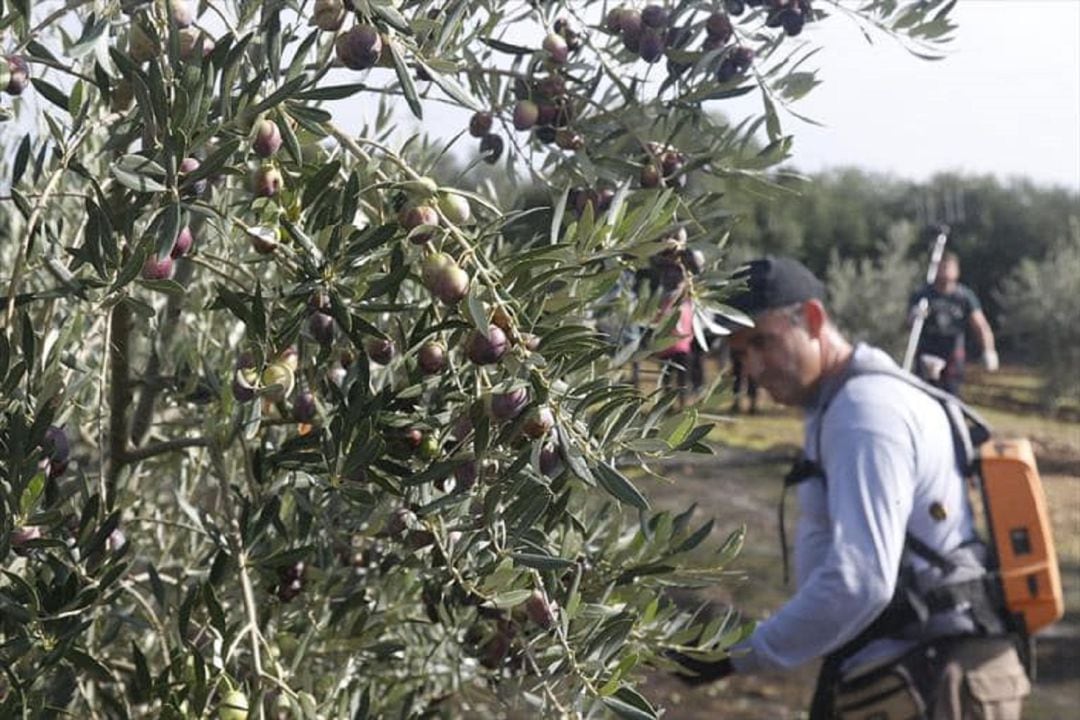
(741, 485)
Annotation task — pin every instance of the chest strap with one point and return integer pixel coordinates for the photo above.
(804, 469)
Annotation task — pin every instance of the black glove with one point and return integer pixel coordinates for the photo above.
(695, 672)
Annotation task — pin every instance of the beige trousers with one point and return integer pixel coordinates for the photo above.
(962, 679)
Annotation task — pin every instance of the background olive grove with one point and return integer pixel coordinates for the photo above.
(866, 233)
(293, 423)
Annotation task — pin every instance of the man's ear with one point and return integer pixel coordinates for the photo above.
(816, 317)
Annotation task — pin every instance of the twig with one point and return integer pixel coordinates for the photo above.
(119, 352)
(161, 448)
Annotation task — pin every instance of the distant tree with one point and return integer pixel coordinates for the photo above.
(1041, 316)
(868, 296)
(846, 216)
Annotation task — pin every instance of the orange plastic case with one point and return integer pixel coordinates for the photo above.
(1013, 495)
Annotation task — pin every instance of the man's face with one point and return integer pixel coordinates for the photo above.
(781, 356)
(948, 273)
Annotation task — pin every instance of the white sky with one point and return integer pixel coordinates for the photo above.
(1005, 101)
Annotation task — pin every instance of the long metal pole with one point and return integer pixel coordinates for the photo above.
(923, 308)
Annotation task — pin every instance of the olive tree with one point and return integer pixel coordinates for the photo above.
(291, 423)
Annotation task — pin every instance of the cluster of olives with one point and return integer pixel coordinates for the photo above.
(358, 48)
(663, 167)
(290, 581)
(491, 144)
(791, 15)
(581, 197)
(671, 265)
(494, 636)
(55, 457)
(546, 110)
(143, 45)
(276, 380)
(644, 33)
(156, 268)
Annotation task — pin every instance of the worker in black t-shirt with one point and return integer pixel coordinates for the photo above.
(952, 308)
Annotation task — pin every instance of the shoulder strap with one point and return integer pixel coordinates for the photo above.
(969, 429)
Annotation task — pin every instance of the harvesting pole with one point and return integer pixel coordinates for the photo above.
(923, 308)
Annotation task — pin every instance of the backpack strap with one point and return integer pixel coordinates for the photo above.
(802, 470)
(969, 428)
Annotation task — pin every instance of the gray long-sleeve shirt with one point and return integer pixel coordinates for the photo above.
(888, 454)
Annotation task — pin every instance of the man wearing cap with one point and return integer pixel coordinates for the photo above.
(879, 484)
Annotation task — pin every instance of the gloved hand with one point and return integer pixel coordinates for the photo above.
(990, 360)
(700, 672)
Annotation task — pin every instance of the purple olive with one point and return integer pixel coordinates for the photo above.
(549, 460)
(267, 138)
(187, 166)
(491, 148)
(718, 26)
(631, 30)
(614, 20)
(540, 610)
(431, 358)
(183, 15)
(380, 350)
(56, 445)
(480, 124)
(19, 77)
(552, 86)
(267, 181)
(444, 278)
(650, 176)
(489, 349)
(329, 15)
(414, 216)
(555, 46)
(194, 44)
(22, 535)
(507, 406)
(116, 541)
(792, 19)
(183, 243)
(399, 521)
(321, 326)
(651, 46)
(735, 7)
(538, 422)
(157, 269)
(359, 48)
(289, 590)
(654, 16)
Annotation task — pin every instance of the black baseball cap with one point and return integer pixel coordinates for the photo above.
(774, 282)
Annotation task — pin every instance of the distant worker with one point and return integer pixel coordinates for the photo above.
(891, 575)
(741, 382)
(951, 309)
(679, 370)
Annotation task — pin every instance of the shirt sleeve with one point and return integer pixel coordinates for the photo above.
(869, 496)
(971, 300)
